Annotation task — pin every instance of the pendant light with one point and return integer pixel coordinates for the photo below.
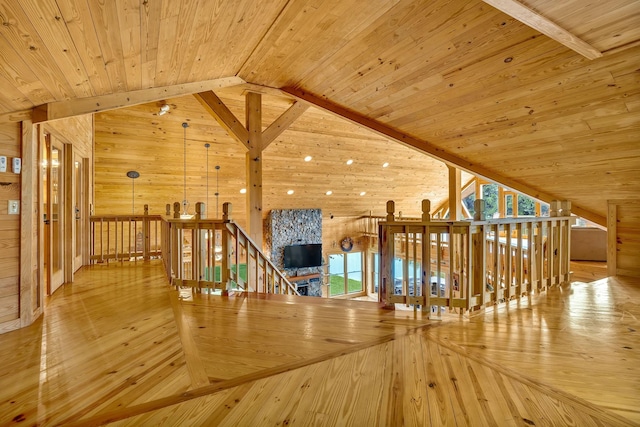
(207, 145)
(133, 175)
(185, 202)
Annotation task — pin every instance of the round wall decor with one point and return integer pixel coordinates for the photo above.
(346, 244)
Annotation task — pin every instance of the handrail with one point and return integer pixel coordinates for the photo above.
(213, 255)
(124, 237)
(470, 265)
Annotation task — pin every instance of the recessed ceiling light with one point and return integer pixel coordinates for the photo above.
(308, 158)
(385, 164)
(362, 193)
(243, 190)
(328, 193)
(349, 161)
(290, 192)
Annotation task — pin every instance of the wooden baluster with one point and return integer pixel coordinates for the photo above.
(478, 266)
(508, 273)
(565, 252)
(519, 261)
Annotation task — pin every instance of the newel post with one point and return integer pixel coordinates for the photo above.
(391, 207)
(168, 209)
(478, 210)
(226, 211)
(426, 210)
(200, 208)
(176, 210)
(386, 253)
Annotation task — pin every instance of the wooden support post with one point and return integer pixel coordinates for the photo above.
(455, 193)
(502, 208)
(146, 230)
(254, 166)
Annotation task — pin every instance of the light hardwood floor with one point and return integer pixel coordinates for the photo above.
(119, 346)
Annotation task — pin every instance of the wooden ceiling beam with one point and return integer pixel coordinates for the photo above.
(16, 116)
(283, 122)
(96, 104)
(224, 116)
(538, 22)
(433, 151)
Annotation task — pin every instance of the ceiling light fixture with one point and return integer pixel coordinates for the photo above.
(385, 164)
(164, 109)
(243, 190)
(290, 192)
(349, 161)
(308, 158)
(362, 193)
(328, 193)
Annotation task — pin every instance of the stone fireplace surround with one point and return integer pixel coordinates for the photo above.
(285, 227)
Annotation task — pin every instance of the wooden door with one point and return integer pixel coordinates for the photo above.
(53, 200)
(79, 211)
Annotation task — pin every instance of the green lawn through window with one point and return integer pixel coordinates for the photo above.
(336, 285)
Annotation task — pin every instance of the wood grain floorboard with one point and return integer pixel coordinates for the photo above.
(119, 347)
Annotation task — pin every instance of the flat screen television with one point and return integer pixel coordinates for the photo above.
(300, 256)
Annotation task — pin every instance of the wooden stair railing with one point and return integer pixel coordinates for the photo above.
(470, 265)
(216, 255)
(125, 237)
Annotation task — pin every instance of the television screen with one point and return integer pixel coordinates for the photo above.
(300, 256)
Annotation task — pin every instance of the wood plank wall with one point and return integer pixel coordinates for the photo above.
(20, 304)
(623, 257)
(9, 230)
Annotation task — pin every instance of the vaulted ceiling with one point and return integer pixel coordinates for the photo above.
(543, 96)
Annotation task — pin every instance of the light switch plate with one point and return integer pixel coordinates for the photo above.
(14, 207)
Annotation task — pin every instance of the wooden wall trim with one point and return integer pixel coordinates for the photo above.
(433, 151)
(27, 216)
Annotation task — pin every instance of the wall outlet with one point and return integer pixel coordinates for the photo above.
(14, 207)
(3, 163)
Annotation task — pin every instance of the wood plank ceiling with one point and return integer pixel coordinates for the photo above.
(463, 79)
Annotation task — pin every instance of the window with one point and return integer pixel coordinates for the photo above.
(345, 274)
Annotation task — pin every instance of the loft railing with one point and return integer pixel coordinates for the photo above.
(212, 255)
(125, 237)
(470, 265)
